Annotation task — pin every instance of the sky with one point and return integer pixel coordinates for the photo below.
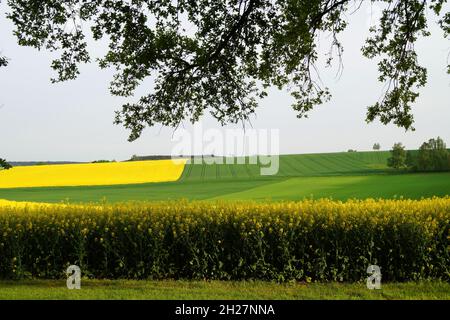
(73, 121)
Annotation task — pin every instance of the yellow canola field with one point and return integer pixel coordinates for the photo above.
(25, 204)
(92, 174)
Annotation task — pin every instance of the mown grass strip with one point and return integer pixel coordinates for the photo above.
(220, 290)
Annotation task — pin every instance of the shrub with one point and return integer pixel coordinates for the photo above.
(320, 240)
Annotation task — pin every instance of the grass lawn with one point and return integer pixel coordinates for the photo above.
(193, 290)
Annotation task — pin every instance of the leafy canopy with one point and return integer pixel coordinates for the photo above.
(398, 157)
(433, 156)
(222, 55)
(3, 61)
(4, 165)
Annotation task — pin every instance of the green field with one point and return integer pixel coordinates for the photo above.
(216, 290)
(337, 175)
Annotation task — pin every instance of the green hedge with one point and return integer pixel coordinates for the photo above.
(305, 241)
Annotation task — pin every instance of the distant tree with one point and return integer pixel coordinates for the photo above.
(351, 150)
(433, 156)
(424, 158)
(411, 160)
(376, 146)
(440, 154)
(398, 157)
(134, 157)
(4, 165)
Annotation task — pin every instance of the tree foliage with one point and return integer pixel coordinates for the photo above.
(398, 157)
(433, 156)
(376, 146)
(3, 61)
(4, 165)
(411, 160)
(223, 55)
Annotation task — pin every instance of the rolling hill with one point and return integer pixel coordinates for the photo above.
(337, 175)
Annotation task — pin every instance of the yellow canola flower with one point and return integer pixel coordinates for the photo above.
(24, 204)
(36, 206)
(90, 174)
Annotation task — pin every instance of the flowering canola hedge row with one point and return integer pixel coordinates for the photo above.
(321, 240)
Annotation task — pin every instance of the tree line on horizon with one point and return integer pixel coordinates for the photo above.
(432, 155)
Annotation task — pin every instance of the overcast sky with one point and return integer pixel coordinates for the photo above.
(74, 120)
